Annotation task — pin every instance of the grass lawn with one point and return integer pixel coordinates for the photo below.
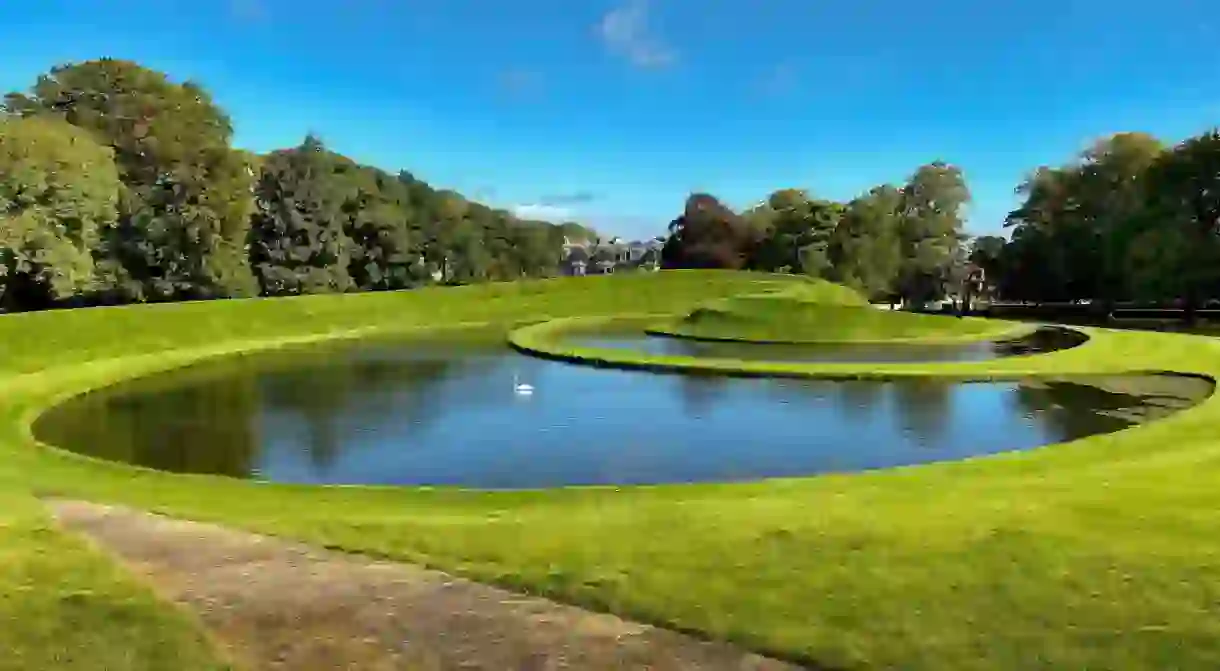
(1103, 553)
(64, 606)
(828, 317)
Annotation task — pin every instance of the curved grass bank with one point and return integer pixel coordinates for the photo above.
(1101, 553)
(777, 321)
(547, 340)
(806, 291)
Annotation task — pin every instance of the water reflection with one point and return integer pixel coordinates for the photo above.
(1113, 401)
(922, 408)
(1047, 339)
(444, 413)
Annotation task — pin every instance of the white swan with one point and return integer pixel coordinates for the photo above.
(521, 387)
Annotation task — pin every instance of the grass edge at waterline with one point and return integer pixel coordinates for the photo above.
(546, 340)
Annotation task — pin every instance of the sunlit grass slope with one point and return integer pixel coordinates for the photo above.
(64, 606)
(823, 312)
(1099, 554)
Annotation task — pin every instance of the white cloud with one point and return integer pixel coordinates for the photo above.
(542, 212)
(625, 31)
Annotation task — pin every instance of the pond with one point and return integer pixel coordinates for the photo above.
(1042, 340)
(443, 411)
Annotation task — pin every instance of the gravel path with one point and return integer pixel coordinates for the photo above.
(278, 605)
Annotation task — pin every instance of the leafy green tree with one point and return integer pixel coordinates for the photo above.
(795, 231)
(1112, 202)
(298, 242)
(464, 241)
(1049, 247)
(537, 247)
(471, 261)
(184, 212)
(58, 190)
(986, 252)
(1184, 186)
(1158, 262)
(1075, 232)
(930, 231)
(577, 232)
(865, 248)
(387, 249)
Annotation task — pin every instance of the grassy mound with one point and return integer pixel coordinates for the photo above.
(810, 291)
(1101, 553)
(551, 340)
(786, 317)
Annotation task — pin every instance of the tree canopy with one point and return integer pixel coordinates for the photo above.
(191, 216)
(59, 190)
(185, 210)
(1128, 219)
(891, 240)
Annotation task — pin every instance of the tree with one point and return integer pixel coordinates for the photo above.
(1112, 201)
(535, 246)
(384, 229)
(794, 232)
(466, 241)
(577, 232)
(58, 190)
(1184, 185)
(185, 208)
(707, 235)
(1051, 253)
(865, 248)
(930, 229)
(1080, 220)
(298, 241)
(986, 252)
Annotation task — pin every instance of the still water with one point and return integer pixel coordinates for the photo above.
(1046, 339)
(444, 412)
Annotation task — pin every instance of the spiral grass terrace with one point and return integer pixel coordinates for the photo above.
(1100, 553)
(825, 313)
(549, 340)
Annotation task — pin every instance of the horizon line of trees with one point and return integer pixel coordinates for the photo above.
(896, 242)
(1130, 219)
(118, 185)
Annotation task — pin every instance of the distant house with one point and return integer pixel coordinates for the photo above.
(645, 255)
(651, 258)
(575, 259)
(597, 258)
(604, 260)
(636, 251)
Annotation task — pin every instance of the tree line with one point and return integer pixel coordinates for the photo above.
(894, 241)
(119, 185)
(1131, 219)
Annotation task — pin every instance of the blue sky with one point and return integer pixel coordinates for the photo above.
(614, 110)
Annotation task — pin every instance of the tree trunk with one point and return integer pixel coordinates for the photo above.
(1190, 310)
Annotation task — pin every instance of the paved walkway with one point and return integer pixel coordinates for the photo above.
(278, 605)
